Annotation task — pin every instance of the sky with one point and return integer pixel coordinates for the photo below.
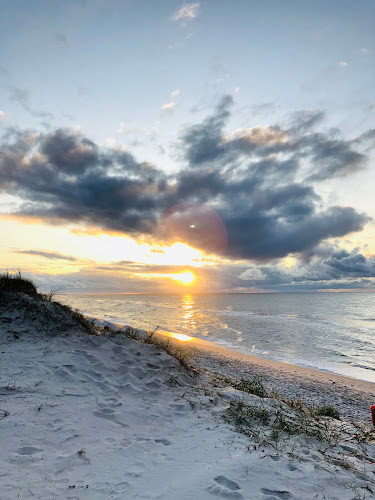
(202, 146)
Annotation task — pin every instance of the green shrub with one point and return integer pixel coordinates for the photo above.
(242, 414)
(254, 386)
(327, 411)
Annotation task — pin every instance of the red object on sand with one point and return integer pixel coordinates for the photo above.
(372, 408)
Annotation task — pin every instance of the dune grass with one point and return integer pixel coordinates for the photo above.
(15, 285)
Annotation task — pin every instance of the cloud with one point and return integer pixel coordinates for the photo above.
(364, 51)
(121, 128)
(204, 142)
(336, 157)
(186, 12)
(342, 64)
(261, 135)
(263, 108)
(247, 194)
(175, 93)
(23, 97)
(48, 255)
(67, 152)
(2, 114)
(168, 106)
(328, 267)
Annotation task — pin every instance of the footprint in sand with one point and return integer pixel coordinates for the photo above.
(25, 455)
(109, 414)
(282, 495)
(165, 442)
(28, 450)
(292, 467)
(225, 487)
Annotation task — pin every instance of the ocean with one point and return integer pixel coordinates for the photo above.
(325, 331)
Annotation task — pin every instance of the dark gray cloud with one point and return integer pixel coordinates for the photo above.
(236, 195)
(305, 120)
(69, 153)
(350, 264)
(334, 157)
(328, 267)
(48, 255)
(328, 157)
(204, 142)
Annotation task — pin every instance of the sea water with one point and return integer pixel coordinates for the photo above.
(326, 331)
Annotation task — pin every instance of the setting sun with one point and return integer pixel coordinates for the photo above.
(186, 278)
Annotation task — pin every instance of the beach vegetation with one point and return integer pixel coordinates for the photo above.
(77, 316)
(244, 413)
(251, 386)
(295, 404)
(182, 354)
(16, 283)
(14, 288)
(327, 411)
(150, 336)
(275, 435)
(276, 422)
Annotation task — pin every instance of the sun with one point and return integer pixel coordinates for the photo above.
(186, 277)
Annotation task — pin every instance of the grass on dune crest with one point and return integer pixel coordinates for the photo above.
(18, 291)
(16, 283)
(183, 354)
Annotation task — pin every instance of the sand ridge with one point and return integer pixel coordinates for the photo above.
(97, 417)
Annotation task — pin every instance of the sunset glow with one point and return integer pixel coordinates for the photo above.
(186, 278)
(181, 336)
(170, 186)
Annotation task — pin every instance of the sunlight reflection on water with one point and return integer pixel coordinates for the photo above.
(328, 331)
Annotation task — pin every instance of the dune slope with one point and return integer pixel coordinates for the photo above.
(96, 417)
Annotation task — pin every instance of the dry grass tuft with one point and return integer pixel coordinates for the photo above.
(21, 293)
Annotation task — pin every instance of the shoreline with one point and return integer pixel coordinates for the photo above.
(267, 331)
(353, 397)
(304, 371)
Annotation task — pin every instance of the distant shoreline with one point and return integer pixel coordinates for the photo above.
(258, 292)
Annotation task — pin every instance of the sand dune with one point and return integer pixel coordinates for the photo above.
(106, 416)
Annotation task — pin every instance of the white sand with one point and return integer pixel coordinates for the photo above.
(97, 417)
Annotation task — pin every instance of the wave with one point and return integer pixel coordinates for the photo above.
(359, 365)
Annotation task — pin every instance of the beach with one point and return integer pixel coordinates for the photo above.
(323, 331)
(352, 396)
(103, 415)
(187, 250)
